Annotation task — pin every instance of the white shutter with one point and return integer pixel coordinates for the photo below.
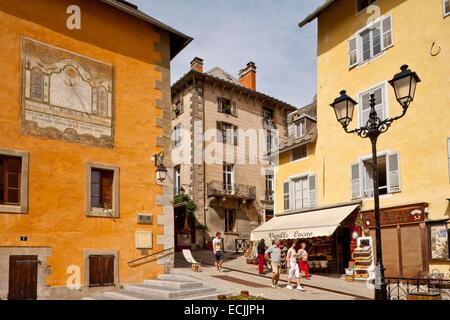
(365, 108)
(393, 169)
(286, 196)
(312, 191)
(368, 179)
(355, 173)
(291, 130)
(380, 103)
(386, 30)
(352, 52)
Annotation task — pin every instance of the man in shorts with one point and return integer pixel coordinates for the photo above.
(275, 260)
(218, 251)
(293, 267)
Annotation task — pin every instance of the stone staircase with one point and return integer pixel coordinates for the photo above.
(165, 287)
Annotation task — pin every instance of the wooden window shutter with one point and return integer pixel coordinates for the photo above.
(220, 136)
(393, 169)
(236, 135)
(355, 181)
(107, 179)
(219, 104)
(312, 191)
(234, 109)
(386, 29)
(352, 52)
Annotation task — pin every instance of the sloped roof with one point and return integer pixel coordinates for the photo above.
(292, 141)
(309, 111)
(218, 77)
(178, 40)
(221, 74)
(316, 13)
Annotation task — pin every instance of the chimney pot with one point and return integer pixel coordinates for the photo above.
(247, 76)
(197, 64)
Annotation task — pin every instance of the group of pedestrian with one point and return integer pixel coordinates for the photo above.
(297, 261)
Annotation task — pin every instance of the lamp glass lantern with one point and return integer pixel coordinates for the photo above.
(404, 84)
(161, 173)
(344, 107)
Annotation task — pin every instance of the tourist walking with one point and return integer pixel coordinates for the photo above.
(261, 251)
(218, 251)
(275, 261)
(302, 255)
(293, 267)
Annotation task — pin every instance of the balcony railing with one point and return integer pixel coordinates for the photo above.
(402, 288)
(237, 191)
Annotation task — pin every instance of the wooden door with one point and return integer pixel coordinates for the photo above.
(411, 251)
(101, 271)
(23, 277)
(390, 247)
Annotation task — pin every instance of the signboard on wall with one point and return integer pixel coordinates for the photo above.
(395, 216)
(144, 240)
(439, 241)
(66, 96)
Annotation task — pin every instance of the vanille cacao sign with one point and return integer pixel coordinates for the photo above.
(396, 215)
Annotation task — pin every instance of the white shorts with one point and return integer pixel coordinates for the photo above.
(293, 270)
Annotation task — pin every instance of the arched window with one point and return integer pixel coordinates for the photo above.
(36, 84)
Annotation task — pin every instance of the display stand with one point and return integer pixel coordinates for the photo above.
(364, 259)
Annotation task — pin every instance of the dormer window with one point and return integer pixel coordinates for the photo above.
(300, 128)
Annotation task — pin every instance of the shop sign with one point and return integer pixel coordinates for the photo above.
(395, 216)
(290, 235)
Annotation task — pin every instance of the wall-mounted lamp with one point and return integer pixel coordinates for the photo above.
(161, 170)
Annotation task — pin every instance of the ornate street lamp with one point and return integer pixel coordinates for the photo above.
(161, 170)
(404, 84)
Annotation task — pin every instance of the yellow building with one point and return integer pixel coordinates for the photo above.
(360, 48)
(85, 95)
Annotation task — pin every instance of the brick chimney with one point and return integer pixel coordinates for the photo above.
(247, 76)
(197, 64)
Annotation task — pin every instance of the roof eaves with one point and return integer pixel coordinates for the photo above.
(316, 13)
(178, 40)
(188, 76)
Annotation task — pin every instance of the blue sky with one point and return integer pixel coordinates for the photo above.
(230, 33)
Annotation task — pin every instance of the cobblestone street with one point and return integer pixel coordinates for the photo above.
(320, 287)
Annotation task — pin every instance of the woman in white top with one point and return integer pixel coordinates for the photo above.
(293, 267)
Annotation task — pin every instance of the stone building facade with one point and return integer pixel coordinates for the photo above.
(222, 128)
(86, 105)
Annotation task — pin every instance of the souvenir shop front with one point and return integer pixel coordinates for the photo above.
(330, 234)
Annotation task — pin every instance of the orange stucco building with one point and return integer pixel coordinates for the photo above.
(85, 96)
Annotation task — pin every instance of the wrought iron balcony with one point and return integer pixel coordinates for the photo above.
(269, 195)
(235, 191)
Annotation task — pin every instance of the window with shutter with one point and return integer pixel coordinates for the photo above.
(370, 41)
(380, 104)
(393, 169)
(102, 188)
(299, 153)
(446, 4)
(176, 136)
(236, 135)
(312, 191)
(352, 52)
(220, 136)
(386, 26)
(286, 196)
(10, 180)
(355, 181)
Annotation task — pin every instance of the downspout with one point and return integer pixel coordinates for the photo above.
(205, 193)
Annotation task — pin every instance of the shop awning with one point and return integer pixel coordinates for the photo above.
(318, 223)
